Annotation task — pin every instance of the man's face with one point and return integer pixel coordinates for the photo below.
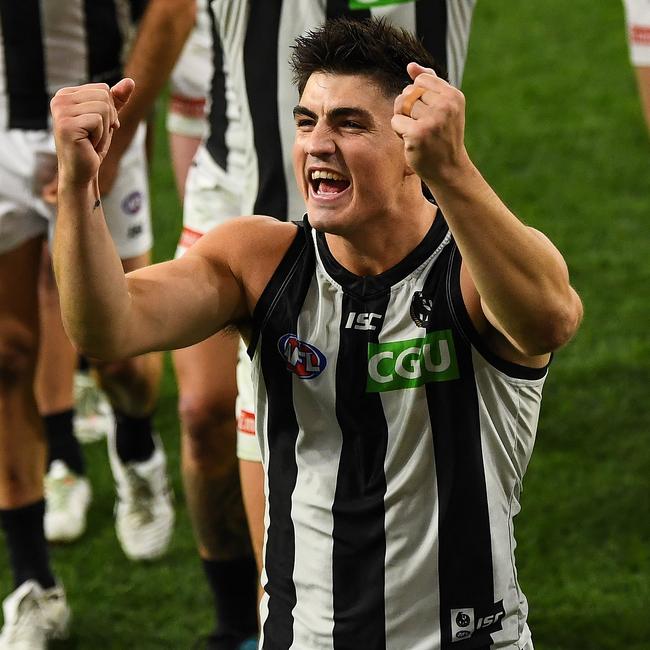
(348, 161)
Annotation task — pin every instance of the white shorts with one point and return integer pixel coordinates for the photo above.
(248, 447)
(212, 196)
(637, 14)
(190, 81)
(28, 161)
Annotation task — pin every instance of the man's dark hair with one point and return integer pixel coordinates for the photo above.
(369, 47)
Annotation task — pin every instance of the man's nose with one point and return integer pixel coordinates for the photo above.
(320, 141)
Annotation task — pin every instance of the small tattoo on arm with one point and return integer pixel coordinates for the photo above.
(97, 204)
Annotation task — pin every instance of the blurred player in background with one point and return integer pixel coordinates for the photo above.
(189, 88)
(637, 14)
(46, 45)
(243, 167)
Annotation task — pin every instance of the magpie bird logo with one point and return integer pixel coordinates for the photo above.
(421, 309)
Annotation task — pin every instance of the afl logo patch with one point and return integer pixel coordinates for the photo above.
(303, 359)
(421, 309)
(132, 203)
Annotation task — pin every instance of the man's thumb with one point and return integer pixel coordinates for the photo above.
(415, 69)
(121, 92)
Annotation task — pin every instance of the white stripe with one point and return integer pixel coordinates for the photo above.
(295, 20)
(64, 35)
(262, 427)
(317, 459)
(508, 413)
(401, 15)
(231, 19)
(459, 20)
(411, 496)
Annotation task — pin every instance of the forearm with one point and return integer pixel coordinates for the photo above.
(94, 297)
(520, 277)
(161, 35)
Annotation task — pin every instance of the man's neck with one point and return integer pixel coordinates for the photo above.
(368, 253)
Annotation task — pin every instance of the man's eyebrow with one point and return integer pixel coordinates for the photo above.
(351, 111)
(336, 113)
(301, 110)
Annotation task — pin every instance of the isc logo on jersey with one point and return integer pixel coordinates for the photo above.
(470, 621)
(303, 359)
(411, 363)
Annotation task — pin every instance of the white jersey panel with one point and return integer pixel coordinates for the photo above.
(318, 449)
(66, 55)
(411, 614)
(459, 20)
(509, 412)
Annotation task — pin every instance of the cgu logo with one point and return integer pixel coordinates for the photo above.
(408, 364)
(303, 359)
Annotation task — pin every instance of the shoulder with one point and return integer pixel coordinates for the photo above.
(249, 249)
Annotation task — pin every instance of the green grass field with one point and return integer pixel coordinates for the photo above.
(555, 125)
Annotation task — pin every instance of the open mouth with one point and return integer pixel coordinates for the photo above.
(327, 184)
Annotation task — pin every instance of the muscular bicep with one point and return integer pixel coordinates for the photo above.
(178, 303)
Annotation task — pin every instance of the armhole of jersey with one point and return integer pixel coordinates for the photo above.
(466, 326)
(276, 285)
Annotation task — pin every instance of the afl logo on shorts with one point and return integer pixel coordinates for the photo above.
(304, 360)
(132, 203)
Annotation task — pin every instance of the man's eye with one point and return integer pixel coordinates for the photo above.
(351, 124)
(304, 124)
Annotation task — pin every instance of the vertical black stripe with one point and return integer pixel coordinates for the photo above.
(338, 8)
(282, 470)
(261, 51)
(431, 27)
(465, 551)
(216, 142)
(24, 58)
(137, 9)
(104, 41)
(358, 511)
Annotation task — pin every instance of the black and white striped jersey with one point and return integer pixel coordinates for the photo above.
(49, 44)
(255, 37)
(394, 445)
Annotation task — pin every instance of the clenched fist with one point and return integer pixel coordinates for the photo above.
(83, 120)
(429, 115)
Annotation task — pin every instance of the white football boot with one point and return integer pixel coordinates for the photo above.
(34, 615)
(93, 415)
(67, 497)
(144, 512)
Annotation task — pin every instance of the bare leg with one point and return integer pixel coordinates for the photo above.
(183, 148)
(57, 358)
(207, 386)
(252, 485)
(643, 81)
(22, 461)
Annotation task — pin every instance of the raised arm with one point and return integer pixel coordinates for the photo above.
(520, 277)
(106, 314)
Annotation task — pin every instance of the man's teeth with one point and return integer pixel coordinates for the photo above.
(316, 175)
